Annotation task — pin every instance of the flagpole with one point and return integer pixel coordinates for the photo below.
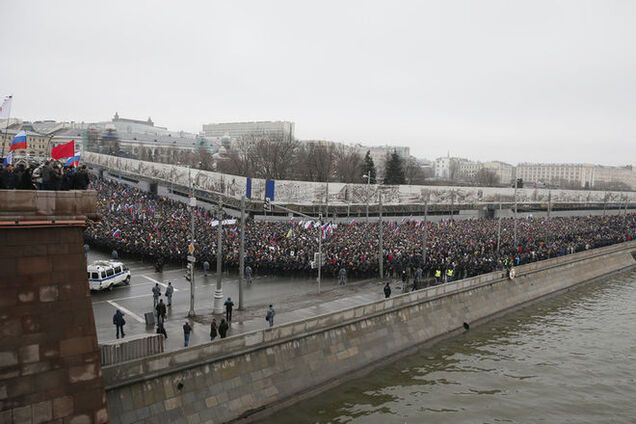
(6, 128)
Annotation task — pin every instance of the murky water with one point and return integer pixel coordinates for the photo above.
(569, 359)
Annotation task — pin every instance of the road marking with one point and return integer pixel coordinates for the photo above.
(159, 282)
(127, 311)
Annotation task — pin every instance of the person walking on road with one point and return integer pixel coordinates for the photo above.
(156, 292)
(187, 329)
(119, 322)
(248, 275)
(223, 327)
(206, 268)
(270, 315)
(161, 311)
(387, 291)
(213, 329)
(342, 276)
(169, 292)
(161, 329)
(228, 309)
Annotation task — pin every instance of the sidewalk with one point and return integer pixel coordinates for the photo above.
(293, 308)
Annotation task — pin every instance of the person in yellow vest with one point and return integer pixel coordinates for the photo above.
(450, 272)
(438, 276)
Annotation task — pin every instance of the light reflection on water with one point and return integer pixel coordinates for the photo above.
(568, 359)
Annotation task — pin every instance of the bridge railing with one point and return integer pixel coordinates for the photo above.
(134, 347)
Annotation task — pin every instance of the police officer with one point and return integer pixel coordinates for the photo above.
(438, 276)
(449, 274)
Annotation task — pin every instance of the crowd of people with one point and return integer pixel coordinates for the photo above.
(158, 228)
(48, 175)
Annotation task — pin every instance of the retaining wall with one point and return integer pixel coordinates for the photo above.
(229, 378)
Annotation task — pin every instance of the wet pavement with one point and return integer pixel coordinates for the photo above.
(294, 298)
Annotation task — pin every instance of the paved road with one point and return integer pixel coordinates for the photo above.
(294, 298)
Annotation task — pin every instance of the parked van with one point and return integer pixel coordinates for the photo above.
(104, 275)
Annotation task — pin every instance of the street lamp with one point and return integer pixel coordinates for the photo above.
(368, 177)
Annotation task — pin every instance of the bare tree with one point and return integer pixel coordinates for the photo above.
(273, 156)
(348, 165)
(315, 162)
(453, 170)
(486, 177)
(413, 171)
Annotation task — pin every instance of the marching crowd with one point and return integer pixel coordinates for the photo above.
(158, 228)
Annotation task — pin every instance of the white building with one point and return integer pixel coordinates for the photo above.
(503, 171)
(557, 174)
(282, 130)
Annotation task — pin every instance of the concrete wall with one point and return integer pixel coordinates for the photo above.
(49, 360)
(225, 379)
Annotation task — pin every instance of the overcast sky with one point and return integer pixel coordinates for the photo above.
(517, 81)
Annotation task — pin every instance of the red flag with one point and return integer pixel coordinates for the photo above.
(65, 150)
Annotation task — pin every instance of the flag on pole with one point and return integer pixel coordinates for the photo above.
(65, 150)
(19, 141)
(8, 160)
(73, 160)
(5, 108)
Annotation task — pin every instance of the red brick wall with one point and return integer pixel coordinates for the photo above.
(49, 359)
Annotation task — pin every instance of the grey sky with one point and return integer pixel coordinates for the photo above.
(509, 80)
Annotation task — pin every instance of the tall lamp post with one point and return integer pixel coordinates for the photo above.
(218, 292)
(191, 258)
(368, 177)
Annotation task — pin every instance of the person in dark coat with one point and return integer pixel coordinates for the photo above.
(213, 329)
(8, 180)
(119, 322)
(387, 291)
(187, 330)
(24, 180)
(223, 327)
(228, 309)
(81, 179)
(161, 329)
(161, 311)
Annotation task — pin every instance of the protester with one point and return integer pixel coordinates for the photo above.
(228, 309)
(156, 292)
(270, 315)
(387, 290)
(161, 329)
(119, 322)
(187, 329)
(213, 329)
(161, 311)
(169, 293)
(223, 327)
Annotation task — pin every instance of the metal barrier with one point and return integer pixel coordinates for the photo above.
(131, 348)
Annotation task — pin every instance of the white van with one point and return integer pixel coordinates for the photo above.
(107, 274)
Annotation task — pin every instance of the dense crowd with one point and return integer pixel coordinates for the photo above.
(47, 175)
(158, 228)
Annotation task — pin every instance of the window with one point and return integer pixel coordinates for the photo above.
(95, 275)
(103, 274)
(110, 272)
(89, 275)
(117, 270)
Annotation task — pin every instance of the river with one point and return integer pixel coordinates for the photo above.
(567, 359)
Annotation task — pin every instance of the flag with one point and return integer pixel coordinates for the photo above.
(5, 108)
(8, 160)
(117, 233)
(289, 234)
(73, 160)
(19, 141)
(65, 150)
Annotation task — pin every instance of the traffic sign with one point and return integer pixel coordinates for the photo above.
(267, 205)
(191, 248)
(191, 258)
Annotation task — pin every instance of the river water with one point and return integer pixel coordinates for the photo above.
(568, 359)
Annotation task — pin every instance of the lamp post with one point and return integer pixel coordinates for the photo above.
(191, 258)
(242, 254)
(218, 292)
(515, 217)
(368, 177)
(381, 243)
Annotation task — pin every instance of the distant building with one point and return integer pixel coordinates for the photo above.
(558, 174)
(504, 171)
(37, 143)
(278, 130)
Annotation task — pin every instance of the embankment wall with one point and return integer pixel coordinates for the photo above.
(233, 377)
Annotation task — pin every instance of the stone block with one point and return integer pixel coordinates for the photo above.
(77, 346)
(29, 354)
(34, 265)
(8, 358)
(42, 412)
(80, 373)
(49, 293)
(81, 419)
(22, 414)
(101, 416)
(63, 407)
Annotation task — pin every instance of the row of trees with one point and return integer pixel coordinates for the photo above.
(265, 157)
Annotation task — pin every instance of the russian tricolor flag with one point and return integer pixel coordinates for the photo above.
(73, 161)
(19, 141)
